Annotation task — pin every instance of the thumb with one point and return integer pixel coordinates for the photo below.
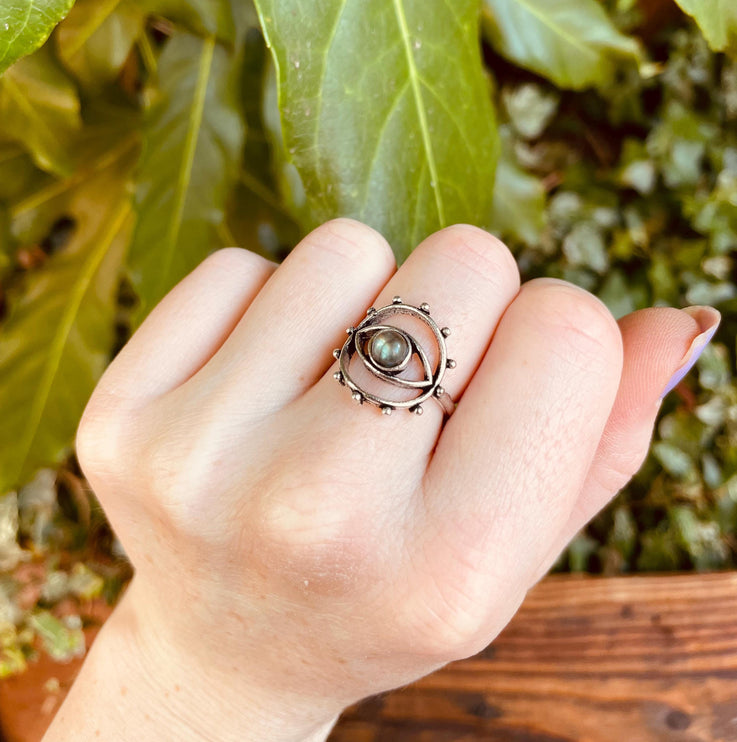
(660, 346)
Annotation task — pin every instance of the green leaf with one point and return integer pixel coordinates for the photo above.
(204, 17)
(519, 199)
(96, 38)
(192, 148)
(62, 641)
(57, 339)
(257, 217)
(530, 108)
(396, 129)
(39, 108)
(26, 24)
(19, 172)
(571, 42)
(717, 20)
(5, 240)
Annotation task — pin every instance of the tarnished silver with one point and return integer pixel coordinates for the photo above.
(398, 347)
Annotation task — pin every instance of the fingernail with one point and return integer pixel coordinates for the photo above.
(708, 319)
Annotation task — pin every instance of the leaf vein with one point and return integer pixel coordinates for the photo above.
(557, 28)
(421, 113)
(66, 323)
(323, 75)
(194, 126)
(379, 138)
(20, 30)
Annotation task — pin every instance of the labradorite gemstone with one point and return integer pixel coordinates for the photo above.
(388, 348)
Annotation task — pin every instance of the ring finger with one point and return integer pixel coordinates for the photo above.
(468, 278)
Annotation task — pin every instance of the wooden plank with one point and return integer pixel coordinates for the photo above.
(633, 659)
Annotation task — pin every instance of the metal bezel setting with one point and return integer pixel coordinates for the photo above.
(361, 336)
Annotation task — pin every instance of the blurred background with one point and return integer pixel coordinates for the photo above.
(599, 139)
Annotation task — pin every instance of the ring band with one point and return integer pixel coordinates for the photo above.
(386, 351)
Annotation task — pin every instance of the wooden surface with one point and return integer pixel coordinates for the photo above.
(637, 659)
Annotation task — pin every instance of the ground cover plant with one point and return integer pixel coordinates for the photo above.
(136, 136)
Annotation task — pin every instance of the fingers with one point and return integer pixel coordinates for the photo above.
(511, 461)
(468, 278)
(284, 342)
(660, 345)
(187, 327)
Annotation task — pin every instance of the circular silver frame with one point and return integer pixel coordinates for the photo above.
(429, 386)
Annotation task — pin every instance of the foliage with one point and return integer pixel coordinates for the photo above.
(408, 121)
(717, 19)
(25, 25)
(598, 138)
(575, 45)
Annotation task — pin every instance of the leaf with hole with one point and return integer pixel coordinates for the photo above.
(56, 341)
(203, 17)
(96, 38)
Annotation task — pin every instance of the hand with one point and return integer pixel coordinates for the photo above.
(295, 552)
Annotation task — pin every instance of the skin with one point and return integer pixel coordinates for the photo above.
(295, 553)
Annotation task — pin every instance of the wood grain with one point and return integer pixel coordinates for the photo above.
(635, 659)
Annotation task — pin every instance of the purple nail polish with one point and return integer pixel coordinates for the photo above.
(708, 318)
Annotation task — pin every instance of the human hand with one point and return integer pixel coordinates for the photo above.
(294, 552)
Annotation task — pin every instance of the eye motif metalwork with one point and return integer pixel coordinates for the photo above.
(386, 351)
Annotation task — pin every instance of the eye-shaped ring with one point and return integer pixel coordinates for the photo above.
(386, 351)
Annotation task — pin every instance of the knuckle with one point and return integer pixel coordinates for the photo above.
(448, 619)
(481, 253)
(575, 320)
(303, 532)
(448, 608)
(100, 435)
(353, 241)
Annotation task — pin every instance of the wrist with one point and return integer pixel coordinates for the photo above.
(135, 683)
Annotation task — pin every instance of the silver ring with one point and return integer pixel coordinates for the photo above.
(386, 351)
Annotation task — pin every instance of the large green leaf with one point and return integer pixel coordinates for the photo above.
(26, 24)
(571, 42)
(386, 111)
(192, 149)
(39, 108)
(717, 20)
(57, 339)
(96, 38)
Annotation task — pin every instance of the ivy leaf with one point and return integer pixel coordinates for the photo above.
(26, 24)
(57, 339)
(401, 135)
(717, 20)
(204, 17)
(519, 199)
(96, 38)
(571, 42)
(192, 148)
(39, 108)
